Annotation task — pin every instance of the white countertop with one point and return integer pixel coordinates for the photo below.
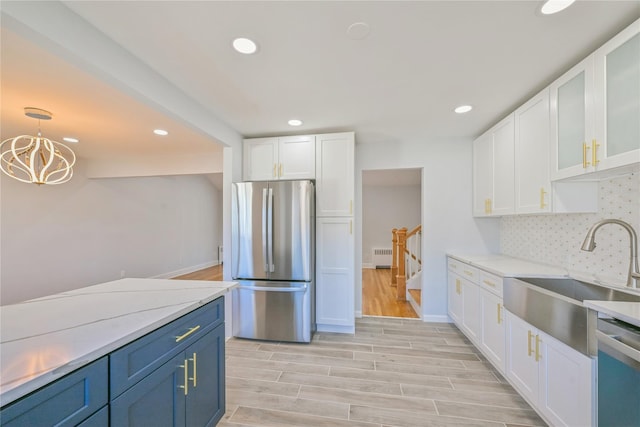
(46, 338)
(626, 311)
(506, 266)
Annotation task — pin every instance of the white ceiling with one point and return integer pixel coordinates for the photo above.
(420, 60)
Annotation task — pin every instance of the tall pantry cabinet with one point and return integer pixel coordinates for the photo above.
(329, 159)
(335, 257)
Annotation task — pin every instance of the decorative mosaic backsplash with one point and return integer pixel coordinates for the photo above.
(556, 238)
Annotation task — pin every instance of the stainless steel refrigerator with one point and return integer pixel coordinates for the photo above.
(273, 259)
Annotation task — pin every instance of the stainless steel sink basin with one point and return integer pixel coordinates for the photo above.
(581, 291)
(555, 307)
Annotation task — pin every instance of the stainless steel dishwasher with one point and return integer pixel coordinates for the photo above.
(618, 373)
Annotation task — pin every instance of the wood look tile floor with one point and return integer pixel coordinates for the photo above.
(392, 372)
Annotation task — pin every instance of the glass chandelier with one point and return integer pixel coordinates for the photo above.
(35, 159)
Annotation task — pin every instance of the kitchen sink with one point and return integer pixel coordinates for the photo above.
(554, 305)
(580, 291)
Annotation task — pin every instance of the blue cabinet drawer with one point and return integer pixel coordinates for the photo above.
(66, 402)
(136, 360)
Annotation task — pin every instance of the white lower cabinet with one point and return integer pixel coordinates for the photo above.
(334, 275)
(552, 376)
(454, 303)
(471, 319)
(492, 338)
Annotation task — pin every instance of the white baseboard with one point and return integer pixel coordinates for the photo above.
(436, 318)
(414, 304)
(368, 266)
(358, 314)
(186, 270)
(336, 329)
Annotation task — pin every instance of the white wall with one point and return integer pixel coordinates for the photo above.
(56, 238)
(446, 210)
(385, 208)
(556, 239)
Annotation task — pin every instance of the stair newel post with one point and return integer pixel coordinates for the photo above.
(401, 278)
(394, 256)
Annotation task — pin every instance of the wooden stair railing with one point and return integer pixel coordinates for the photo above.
(400, 251)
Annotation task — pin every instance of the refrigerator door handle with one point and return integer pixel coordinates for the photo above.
(264, 230)
(273, 289)
(270, 232)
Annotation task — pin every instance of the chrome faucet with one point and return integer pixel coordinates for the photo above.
(589, 245)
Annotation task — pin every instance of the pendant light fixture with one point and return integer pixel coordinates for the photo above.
(35, 159)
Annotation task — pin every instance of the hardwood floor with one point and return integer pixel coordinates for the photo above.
(379, 297)
(417, 295)
(211, 273)
(391, 372)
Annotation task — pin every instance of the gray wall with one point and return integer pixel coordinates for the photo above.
(383, 209)
(56, 238)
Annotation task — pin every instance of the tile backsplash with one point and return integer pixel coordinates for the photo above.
(556, 238)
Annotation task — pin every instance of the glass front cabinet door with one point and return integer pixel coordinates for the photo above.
(571, 103)
(595, 110)
(617, 100)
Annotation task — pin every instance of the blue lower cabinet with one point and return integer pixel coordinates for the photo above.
(158, 400)
(99, 419)
(188, 390)
(65, 402)
(206, 400)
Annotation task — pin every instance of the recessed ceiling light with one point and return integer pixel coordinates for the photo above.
(554, 6)
(161, 132)
(463, 109)
(294, 122)
(72, 140)
(358, 30)
(244, 45)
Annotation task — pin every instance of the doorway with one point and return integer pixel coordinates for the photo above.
(391, 199)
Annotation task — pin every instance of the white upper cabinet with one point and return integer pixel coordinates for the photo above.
(595, 108)
(290, 157)
(335, 174)
(533, 188)
(572, 118)
(297, 156)
(482, 174)
(260, 159)
(493, 170)
(617, 100)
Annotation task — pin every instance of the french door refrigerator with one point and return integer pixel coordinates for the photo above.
(273, 248)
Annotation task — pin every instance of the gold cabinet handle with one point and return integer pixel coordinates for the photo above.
(351, 227)
(350, 207)
(529, 349)
(594, 153)
(275, 166)
(185, 387)
(186, 334)
(499, 318)
(486, 206)
(488, 283)
(542, 193)
(489, 207)
(468, 273)
(194, 360)
(281, 170)
(585, 162)
(458, 286)
(537, 348)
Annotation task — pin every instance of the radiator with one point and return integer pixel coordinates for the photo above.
(381, 257)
